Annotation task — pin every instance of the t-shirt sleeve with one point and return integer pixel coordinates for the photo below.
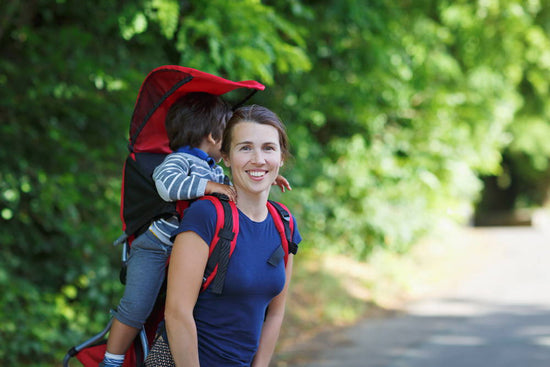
(296, 237)
(200, 217)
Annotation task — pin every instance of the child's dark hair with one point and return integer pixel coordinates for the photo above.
(195, 116)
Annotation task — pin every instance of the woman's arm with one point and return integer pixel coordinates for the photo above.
(272, 323)
(185, 274)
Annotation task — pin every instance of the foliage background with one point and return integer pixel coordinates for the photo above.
(398, 112)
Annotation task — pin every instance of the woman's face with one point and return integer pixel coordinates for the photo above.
(254, 156)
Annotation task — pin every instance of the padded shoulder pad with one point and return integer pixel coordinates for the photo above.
(223, 243)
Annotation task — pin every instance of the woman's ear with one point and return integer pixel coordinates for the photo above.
(226, 161)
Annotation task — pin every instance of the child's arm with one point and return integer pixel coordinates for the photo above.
(214, 187)
(175, 181)
(282, 183)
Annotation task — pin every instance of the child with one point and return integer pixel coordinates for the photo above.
(194, 125)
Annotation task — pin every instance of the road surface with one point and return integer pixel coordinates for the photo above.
(498, 316)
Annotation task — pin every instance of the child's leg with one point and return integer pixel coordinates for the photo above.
(144, 277)
(121, 337)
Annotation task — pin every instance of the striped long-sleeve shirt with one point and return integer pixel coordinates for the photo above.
(181, 176)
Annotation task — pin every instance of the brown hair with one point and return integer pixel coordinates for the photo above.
(259, 115)
(195, 116)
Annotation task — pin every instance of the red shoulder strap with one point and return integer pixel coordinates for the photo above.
(223, 243)
(281, 217)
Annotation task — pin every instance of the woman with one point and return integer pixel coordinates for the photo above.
(240, 327)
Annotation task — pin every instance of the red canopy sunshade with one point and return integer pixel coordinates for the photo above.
(160, 89)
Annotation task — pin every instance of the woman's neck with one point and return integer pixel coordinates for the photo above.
(253, 206)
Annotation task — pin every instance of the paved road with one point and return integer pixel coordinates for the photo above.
(497, 317)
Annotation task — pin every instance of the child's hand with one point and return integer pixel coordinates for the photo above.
(229, 191)
(282, 183)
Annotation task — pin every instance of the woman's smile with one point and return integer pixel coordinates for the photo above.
(256, 173)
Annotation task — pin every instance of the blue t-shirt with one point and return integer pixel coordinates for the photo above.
(229, 325)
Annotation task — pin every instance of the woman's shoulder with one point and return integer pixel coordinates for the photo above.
(202, 206)
(200, 217)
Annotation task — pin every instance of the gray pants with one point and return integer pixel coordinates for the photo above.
(145, 275)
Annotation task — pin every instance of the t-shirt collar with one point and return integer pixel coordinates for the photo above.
(199, 153)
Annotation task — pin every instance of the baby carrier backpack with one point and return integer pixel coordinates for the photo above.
(140, 203)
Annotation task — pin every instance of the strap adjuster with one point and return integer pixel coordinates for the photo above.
(226, 234)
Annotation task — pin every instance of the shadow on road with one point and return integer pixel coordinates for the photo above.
(498, 316)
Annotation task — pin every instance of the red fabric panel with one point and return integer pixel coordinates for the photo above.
(181, 205)
(92, 356)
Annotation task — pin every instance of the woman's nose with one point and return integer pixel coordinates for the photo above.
(258, 157)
